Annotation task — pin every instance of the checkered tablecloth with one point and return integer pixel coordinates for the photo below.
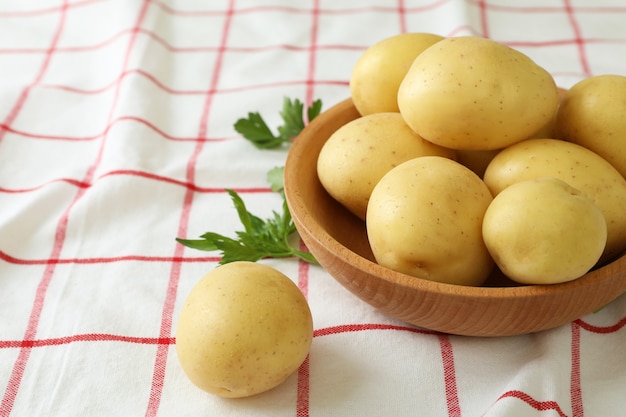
(116, 136)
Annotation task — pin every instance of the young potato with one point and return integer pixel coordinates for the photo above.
(378, 72)
(544, 231)
(360, 152)
(592, 115)
(476, 94)
(424, 219)
(577, 166)
(244, 328)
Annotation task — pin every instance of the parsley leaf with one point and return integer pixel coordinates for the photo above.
(259, 239)
(275, 178)
(260, 135)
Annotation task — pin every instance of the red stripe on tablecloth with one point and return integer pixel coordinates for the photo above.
(402, 16)
(187, 184)
(562, 42)
(449, 375)
(580, 43)
(601, 329)
(56, 9)
(310, 81)
(546, 9)
(575, 382)
(301, 10)
(303, 389)
(484, 26)
(87, 337)
(135, 71)
(33, 322)
(96, 337)
(360, 327)
(160, 363)
(177, 12)
(81, 48)
(108, 127)
(138, 173)
(70, 181)
(537, 405)
(328, 331)
(19, 366)
(106, 260)
(167, 45)
(237, 89)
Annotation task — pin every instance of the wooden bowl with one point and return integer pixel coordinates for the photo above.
(338, 240)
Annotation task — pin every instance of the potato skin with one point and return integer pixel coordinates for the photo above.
(359, 153)
(549, 129)
(243, 329)
(424, 219)
(378, 72)
(592, 115)
(476, 94)
(577, 166)
(544, 231)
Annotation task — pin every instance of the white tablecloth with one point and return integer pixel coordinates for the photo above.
(116, 136)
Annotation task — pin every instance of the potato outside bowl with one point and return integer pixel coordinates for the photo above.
(338, 240)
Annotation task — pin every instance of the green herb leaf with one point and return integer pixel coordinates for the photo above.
(200, 244)
(262, 238)
(275, 179)
(260, 135)
(314, 110)
(256, 131)
(293, 116)
(259, 239)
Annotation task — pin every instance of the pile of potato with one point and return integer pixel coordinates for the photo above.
(467, 156)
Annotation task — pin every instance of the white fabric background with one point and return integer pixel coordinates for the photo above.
(116, 136)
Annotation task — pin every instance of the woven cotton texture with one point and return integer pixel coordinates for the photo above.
(116, 136)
